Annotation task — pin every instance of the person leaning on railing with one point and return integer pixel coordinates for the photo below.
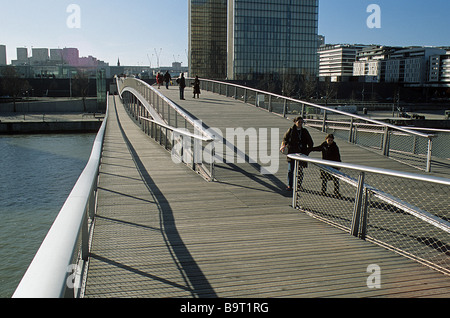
(330, 151)
(297, 140)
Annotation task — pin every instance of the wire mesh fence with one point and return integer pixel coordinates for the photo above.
(406, 213)
(407, 146)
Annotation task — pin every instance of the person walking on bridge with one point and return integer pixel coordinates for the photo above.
(330, 151)
(297, 140)
(182, 85)
(196, 87)
(167, 79)
(159, 80)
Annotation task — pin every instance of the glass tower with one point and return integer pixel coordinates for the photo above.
(272, 37)
(208, 38)
(247, 39)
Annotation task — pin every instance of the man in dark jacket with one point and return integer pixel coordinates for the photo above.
(330, 151)
(297, 140)
(182, 85)
(167, 79)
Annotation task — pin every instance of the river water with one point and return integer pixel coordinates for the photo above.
(37, 173)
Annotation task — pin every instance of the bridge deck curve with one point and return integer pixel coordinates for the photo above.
(162, 231)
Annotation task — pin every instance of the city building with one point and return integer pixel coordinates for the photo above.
(2, 55)
(272, 37)
(439, 70)
(22, 57)
(370, 64)
(208, 38)
(56, 55)
(246, 39)
(410, 65)
(39, 56)
(336, 61)
(71, 56)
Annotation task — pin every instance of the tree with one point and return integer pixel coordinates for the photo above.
(81, 87)
(13, 85)
(290, 83)
(328, 90)
(308, 86)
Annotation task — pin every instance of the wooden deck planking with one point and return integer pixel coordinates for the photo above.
(161, 231)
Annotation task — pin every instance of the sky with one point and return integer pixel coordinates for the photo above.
(143, 32)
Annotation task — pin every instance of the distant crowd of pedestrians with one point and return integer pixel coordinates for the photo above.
(181, 81)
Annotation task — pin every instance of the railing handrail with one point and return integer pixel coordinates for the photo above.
(146, 104)
(394, 173)
(174, 106)
(322, 107)
(46, 276)
(179, 131)
(418, 213)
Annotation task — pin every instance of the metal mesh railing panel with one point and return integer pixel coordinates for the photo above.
(407, 215)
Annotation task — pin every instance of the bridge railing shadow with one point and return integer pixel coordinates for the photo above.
(195, 281)
(404, 212)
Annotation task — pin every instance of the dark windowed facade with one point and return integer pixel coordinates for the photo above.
(273, 37)
(208, 38)
(246, 39)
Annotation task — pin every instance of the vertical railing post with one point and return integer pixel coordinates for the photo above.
(386, 142)
(295, 183)
(284, 108)
(324, 122)
(429, 152)
(365, 211)
(357, 207)
(213, 158)
(168, 114)
(350, 132)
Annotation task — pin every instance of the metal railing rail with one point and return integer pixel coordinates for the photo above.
(289, 106)
(185, 147)
(59, 265)
(154, 100)
(160, 118)
(405, 212)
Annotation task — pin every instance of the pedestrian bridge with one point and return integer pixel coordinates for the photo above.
(187, 198)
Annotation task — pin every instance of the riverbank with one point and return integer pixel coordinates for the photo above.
(40, 123)
(425, 118)
(50, 115)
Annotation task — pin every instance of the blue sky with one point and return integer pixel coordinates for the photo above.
(132, 30)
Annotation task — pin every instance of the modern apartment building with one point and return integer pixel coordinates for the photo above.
(245, 39)
(336, 61)
(370, 64)
(439, 70)
(410, 65)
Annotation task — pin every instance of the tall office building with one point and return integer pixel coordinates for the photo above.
(2, 54)
(208, 38)
(272, 37)
(257, 37)
(22, 54)
(39, 56)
